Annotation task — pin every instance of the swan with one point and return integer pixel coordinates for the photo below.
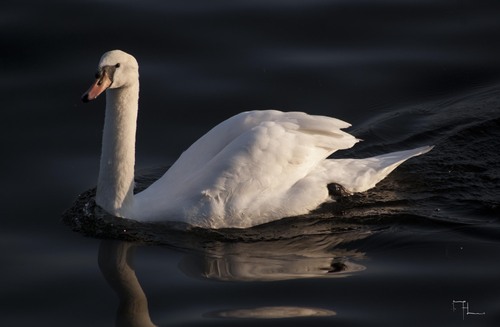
(253, 168)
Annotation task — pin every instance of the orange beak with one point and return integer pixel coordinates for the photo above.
(100, 85)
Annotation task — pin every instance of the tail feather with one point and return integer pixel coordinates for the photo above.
(359, 175)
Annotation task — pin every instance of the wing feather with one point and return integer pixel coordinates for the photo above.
(243, 169)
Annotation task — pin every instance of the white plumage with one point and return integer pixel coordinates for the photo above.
(255, 167)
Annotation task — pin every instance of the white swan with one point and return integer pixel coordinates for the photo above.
(255, 167)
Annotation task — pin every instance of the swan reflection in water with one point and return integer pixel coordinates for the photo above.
(306, 256)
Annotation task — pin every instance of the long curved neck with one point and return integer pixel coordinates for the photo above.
(115, 185)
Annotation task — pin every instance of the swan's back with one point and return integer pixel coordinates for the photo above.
(273, 121)
(250, 169)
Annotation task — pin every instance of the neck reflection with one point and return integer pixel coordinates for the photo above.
(116, 264)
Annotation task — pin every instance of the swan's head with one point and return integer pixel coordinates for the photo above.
(116, 69)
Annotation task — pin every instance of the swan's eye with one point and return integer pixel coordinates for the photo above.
(97, 75)
(117, 65)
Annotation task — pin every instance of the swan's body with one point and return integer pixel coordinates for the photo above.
(253, 168)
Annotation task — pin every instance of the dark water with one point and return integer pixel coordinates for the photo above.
(405, 73)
